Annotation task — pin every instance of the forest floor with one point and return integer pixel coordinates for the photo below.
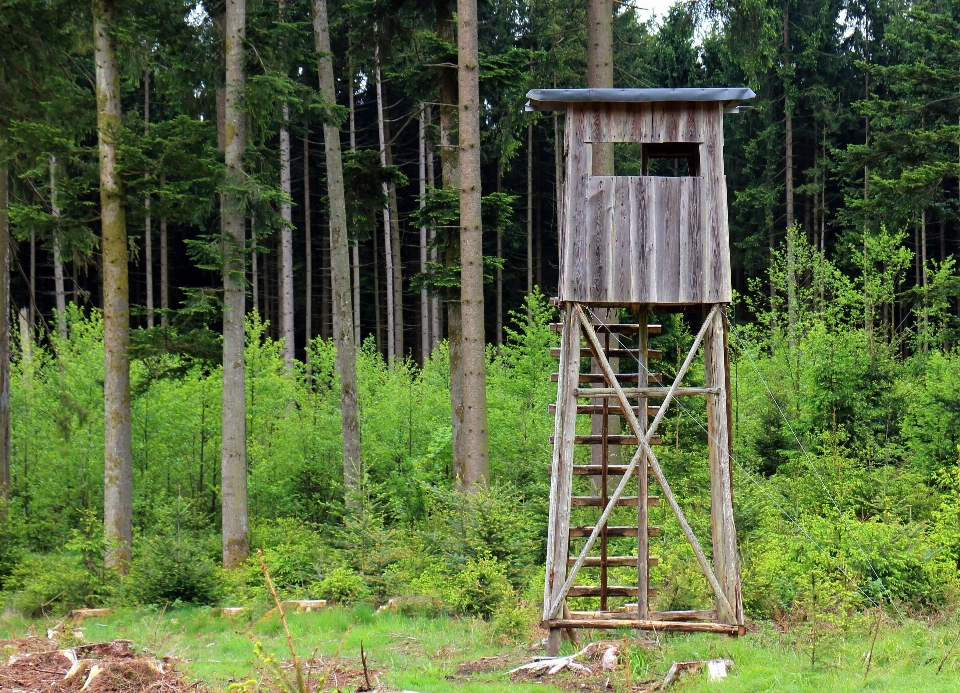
(466, 655)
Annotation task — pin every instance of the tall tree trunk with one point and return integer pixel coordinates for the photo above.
(387, 231)
(450, 173)
(233, 461)
(326, 324)
(424, 300)
(378, 318)
(308, 250)
(557, 173)
(286, 245)
(395, 249)
(788, 187)
(4, 334)
(118, 467)
(164, 268)
(340, 264)
(254, 273)
(477, 466)
(32, 309)
(498, 337)
(435, 335)
(599, 76)
(355, 245)
(58, 288)
(147, 230)
(529, 208)
(923, 279)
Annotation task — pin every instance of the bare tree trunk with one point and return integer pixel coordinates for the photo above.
(236, 543)
(164, 268)
(424, 300)
(477, 466)
(387, 232)
(395, 249)
(923, 278)
(286, 246)
(498, 338)
(326, 323)
(378, 319)
(530, 207)
(355, 244)
(788, 186)
(434, 300)
(58, 288)
(450, 172)
(32, 309)
(254, 278)
(147, 230)
(340, 265)
(4, 334)
(600, 75)
(308, 250)
(118, 467)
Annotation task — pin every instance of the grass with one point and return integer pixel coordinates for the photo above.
(423, 654)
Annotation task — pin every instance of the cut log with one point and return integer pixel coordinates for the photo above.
(611, 590)
(304, 604)
(644, 624)
(652, 378)
(80, 614)
(613, 561)
(611, 440)
(593, 409)
(645, 391)
(612, 353)
(621, 328)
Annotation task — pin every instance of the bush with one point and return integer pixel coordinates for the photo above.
(55, 583)
(344, 586)
(482, 587)
(170, 569)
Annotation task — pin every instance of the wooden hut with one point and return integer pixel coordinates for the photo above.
(630, 245)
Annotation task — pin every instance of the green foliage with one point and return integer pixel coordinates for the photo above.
(343, 586)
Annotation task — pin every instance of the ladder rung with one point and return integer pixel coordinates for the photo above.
(652, 378)
(613, 353)
(585, 531)
(614, 409)
(612, 561)
(597, 470)
(621, 328)
(611, 440)
(612, 591)
(622, 502)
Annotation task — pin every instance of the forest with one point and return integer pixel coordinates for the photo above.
(275, 280)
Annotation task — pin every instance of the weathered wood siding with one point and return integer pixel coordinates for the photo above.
(645, 239)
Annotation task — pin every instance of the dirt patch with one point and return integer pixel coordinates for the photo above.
(28, 644)
(110, 667)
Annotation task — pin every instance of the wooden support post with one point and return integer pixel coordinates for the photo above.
(726, 561)
(643, 541)
(643, 449)
(561, 479)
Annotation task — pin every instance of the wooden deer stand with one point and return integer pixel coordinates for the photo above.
(647, 242)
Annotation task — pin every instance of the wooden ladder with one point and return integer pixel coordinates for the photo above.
(604, 413)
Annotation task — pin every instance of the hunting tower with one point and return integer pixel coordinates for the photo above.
(655, 241)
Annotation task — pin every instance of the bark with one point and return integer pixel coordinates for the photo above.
(600, 69)
(164, 269)
(476, 468)
(4, 334)
(387, 232)
(498, 337)
(147, 230)
(118, 470)
(395, 249)
(557, 172)
(340, 266)
(308, 250)
(233, 460)
(326, 326)
(788, 187)
(286, 246)
(530, 207)
(434, 300)
(58, 288)
(424, 299)
(32, 310)
(254, 273)
(355, 245)
(378, 319)
(450, 173)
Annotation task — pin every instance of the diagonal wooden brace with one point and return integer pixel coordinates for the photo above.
(644, 449)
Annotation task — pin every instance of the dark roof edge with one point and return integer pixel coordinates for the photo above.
(556, 99)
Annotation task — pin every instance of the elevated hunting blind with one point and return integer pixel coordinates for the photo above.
(656, 241)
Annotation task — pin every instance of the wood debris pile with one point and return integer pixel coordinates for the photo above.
(109, 667)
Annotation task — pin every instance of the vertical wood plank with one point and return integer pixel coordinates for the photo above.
(621, 267)
(673, 113)
(692, 231)
(561, 478)
(573, 282)
(667, 239)
(646, 239)
(643, 541)
(598, 234)
(717, 271)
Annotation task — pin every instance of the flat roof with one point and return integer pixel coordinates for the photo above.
(557, 99)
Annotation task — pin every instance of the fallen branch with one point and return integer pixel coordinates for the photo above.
(552, 665)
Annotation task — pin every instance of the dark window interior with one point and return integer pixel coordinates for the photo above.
(656, 159)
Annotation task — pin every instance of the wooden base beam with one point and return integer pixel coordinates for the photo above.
(645, 624)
